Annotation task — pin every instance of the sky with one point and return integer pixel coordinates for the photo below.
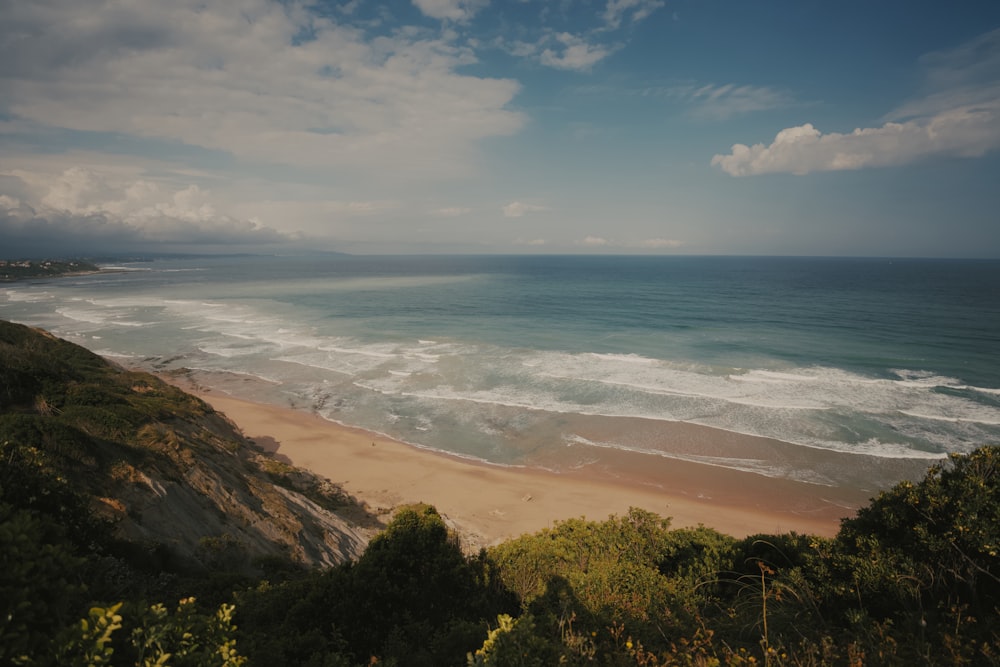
(746, 127)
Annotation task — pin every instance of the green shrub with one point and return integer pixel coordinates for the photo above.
(39, 587)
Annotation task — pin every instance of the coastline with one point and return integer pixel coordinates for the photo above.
(9, 280)
(488, 504)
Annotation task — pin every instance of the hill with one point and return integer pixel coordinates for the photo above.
(117, 490)
(159, 466)
(46, 268)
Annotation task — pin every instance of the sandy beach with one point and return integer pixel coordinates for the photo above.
(488, 504)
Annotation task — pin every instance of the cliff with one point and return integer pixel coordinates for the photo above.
(164, 470)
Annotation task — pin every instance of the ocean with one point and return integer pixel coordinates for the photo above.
(845, 371)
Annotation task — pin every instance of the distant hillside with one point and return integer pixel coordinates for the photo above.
(161, 466)
(46, 268)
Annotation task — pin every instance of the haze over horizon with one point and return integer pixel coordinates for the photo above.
(471, 126)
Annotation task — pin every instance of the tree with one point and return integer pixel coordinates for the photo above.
(413, 598)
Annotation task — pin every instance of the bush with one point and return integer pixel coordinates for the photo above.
(39, 589)
(412, 599)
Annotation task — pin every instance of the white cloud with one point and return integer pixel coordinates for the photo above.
(9, 203)
(593, 241)
(451, 211)
(584, 41)
(454, 10)
(616, 10)
(85, 205)
(958, 116)
(529, 242)
(703, 101)
(262, 80)
(517, 209)
(969, 64)
(722, 102)
(574, 53)
(519, 48)
(122, 193)
(28, 231)
(965, 76)
(964, 132)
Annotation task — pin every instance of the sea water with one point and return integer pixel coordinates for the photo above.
(530, 360)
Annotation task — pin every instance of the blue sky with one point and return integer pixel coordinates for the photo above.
(605, 126)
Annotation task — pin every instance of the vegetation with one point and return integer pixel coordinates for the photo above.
(912, 579)
(26, 268)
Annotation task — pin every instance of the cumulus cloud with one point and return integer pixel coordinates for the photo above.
(49, 232)
(84, 192)
(962, 132)
(529, 242)
(517, 209)
(84, 210)
(263, 80)
(958, 116)
(9, 203)
(593, 241)
(454, 10)
(573, 53)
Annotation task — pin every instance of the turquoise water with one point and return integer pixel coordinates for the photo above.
(540, 360)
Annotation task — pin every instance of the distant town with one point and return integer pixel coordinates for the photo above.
(29, 268)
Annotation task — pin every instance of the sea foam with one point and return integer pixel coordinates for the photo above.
(482, 358)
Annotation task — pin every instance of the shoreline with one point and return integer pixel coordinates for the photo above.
(487, 504)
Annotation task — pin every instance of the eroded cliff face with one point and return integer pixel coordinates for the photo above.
(211, 499)
(162, 466)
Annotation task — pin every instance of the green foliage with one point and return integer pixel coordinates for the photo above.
(611, 570)
(697, 553)
(41, 589)
(30, 481)
(412, 598)
(89, 641)
(926, 557)
(45, 375)
(946, 529)
(582, 578)
(38, 586)
(153, 637)
(34, 364)
(913, 579)
(515, 643)
(47, 268)
(293, 623)
(75, 429)
(574, 546)
(187, 638)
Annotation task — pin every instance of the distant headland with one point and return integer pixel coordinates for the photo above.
(11, 270)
